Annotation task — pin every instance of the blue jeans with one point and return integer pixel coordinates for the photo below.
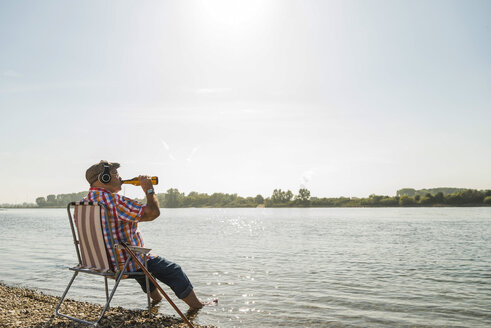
(170, 274)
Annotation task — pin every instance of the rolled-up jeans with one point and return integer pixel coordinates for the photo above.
(170, 274)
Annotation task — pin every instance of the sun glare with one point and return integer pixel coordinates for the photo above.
(235, 15)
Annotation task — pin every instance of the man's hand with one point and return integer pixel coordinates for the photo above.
(151, 211)
(145, 182)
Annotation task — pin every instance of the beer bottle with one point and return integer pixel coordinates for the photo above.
(136, 182)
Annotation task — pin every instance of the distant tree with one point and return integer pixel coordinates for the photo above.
(248, 202)
(259, 199)
(487, 200)
(161, 199)
(406, 192)
(439, 198)
(471, 196)
(41, 201)
(51, 200)
(303, 195)
(222, 200)
(372, 200)
(281, 197)
(322, 202)
(195, 199)
(340, 202)
(277, 196)
(173, 198)
(288, 196)
(454, 199)
(406, 201)
(427, 199)
(389, 201)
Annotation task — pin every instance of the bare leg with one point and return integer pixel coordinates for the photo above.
(155, 296)
(193, 301)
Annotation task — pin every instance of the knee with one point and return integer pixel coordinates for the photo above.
(177, 269)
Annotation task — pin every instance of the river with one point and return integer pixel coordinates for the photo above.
(331, 267)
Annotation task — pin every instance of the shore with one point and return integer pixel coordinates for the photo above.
(21, 307)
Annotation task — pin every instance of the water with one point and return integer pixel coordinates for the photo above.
(390, 267)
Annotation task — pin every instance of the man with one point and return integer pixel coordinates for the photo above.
(125, 214)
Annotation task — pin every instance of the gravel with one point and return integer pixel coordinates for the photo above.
(21, 307)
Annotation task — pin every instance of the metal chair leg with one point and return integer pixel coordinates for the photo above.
(93, 323)
(116, 283)
(48, 324)
(57, 312)
(107, 292)
(147, 284)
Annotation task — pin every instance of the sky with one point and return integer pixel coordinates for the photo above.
(344, 98)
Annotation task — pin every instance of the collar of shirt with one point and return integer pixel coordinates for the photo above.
(99, 189)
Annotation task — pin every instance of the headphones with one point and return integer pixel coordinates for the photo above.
(105, 176)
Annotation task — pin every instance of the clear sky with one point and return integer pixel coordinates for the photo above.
(346, 98)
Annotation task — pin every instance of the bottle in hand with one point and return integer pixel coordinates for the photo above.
(136, 182)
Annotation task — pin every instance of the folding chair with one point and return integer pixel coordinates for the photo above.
(93, 257)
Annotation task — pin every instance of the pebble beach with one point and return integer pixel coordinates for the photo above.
(22, 307)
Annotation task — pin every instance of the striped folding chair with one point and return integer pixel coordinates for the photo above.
(93, 257)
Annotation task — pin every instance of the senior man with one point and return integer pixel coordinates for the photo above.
(125, 214)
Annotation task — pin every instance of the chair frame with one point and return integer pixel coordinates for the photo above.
(117, 274)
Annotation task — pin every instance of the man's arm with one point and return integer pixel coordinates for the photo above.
(152, 210)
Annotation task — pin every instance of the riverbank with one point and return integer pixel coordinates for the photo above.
(21, 307)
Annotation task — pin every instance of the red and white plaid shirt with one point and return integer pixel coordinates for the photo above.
(124, 215)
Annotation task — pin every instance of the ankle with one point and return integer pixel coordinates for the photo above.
(155, 296)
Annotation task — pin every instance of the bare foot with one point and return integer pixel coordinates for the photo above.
(155, 296)
(156, 302)
(191, 314)
(155, 308)
(194, 303)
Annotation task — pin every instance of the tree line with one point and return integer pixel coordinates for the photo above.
(422, 192)
(466, 197)
(60, 200)
(173, 198)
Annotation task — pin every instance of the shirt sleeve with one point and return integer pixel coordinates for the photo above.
(128, 209)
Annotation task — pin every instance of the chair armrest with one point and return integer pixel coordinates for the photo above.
(135, 248)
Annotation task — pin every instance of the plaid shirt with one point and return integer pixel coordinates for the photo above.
(124, 215)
